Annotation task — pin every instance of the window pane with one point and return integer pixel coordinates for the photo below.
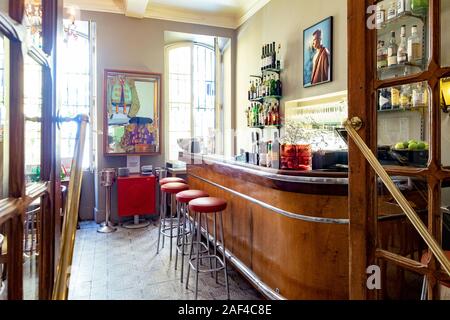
(403, 125)
(4, 117)
(75, 87)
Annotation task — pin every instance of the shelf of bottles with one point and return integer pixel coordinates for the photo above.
(265, 91)
(402, 37)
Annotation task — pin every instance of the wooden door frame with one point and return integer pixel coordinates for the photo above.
(363, 87)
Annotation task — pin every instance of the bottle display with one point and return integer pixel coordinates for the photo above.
(402, 53)
(414, 47)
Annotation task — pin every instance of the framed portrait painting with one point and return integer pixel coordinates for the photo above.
(318, 53)
(132, 108)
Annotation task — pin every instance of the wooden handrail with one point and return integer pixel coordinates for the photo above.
(61, 287)
(399, 197)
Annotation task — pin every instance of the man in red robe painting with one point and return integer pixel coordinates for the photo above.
(321, 60)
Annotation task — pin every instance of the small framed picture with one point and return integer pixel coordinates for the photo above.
(318, 53)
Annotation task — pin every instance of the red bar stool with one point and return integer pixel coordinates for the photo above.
(167, 231)
(183, 199)
(162, 199)
(207, 206)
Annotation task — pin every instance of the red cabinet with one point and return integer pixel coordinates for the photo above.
(136, 195)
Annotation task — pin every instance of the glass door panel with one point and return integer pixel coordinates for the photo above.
(403, 125)
(4, 116)
(31, 242)
(33, 118)
(402, 37)
(445, 39)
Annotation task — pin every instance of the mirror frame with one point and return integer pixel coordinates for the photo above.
(157, 77)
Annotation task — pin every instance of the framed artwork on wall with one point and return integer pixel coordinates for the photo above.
(132, 113)
(318, 53)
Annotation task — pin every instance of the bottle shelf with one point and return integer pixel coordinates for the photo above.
(262, 99)
(278, 126)
(271, 70)
(406, 18)
(399, 70)
(398, 110)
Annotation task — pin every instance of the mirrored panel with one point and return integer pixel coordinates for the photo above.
(33, 22)
(132, 113)
(445, 39)
(33, 118)
(4, 116)
(403, 125)
(402, 37)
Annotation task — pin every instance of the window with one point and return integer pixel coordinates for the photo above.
(76, 75)
(191, 96)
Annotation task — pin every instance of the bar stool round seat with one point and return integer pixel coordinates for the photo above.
(171, 180)
(208, 205)
(174, 188)
(189, 195)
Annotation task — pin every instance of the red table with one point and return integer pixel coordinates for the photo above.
(136, 195)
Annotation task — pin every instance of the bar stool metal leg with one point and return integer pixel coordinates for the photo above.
(183, 238)
(194, 233)
(224, 256)
(161, 219)
(199, 228)
(179, 226)
(215, 247)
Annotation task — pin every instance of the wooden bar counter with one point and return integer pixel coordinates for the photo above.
(288, 232)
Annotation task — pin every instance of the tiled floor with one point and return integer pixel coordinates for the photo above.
(124, 266)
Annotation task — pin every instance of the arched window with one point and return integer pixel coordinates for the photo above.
(191, 96)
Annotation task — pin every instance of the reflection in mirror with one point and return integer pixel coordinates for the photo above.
(3, 252)
(445, 39)
(132, 112)
(4, 117)
(32, 20)
(403, 125)
(396, 234)
(31, 242)
(33, 115)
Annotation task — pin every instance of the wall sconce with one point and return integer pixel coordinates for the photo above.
(445, 95)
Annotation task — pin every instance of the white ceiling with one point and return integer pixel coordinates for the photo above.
(223, 13)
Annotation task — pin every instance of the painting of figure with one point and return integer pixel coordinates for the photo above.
(318, 54)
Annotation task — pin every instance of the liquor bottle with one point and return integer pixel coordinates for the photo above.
(419, 96)
(419, 7)
(280, 64)
(414, 47)
(263, 154)
(269, 154)
(273, 86)
(380, 17)
(275, 152)
(403, 6)
(262, 59)
(279, 86)
(405, 97)
(250, 91)
(274, 56)
(269, 56)
(392, 50)
(382, 55)
(392, 11)
(253, 91)
(395, 98)
(402, 53)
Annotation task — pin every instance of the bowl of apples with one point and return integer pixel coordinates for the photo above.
(413, 151)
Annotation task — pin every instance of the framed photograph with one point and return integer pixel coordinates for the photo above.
(318, 53)
(132, 109)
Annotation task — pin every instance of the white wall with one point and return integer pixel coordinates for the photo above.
(283, 21)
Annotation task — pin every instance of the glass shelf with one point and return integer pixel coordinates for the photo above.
(262, 99)
(396, 23)
(279, 126)
(399, 70)
(272, 70)
(419, 109)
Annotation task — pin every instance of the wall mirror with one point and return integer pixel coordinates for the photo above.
(132, 105)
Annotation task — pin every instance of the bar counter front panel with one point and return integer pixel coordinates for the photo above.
(295, 242)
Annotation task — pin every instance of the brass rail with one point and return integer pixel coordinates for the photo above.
(399, 198)
(61, 287)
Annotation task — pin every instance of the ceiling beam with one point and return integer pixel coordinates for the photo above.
(135, 8)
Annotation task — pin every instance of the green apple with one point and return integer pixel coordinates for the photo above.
(399, 146)
(421, 146)
(405, 145)
(413, 146)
